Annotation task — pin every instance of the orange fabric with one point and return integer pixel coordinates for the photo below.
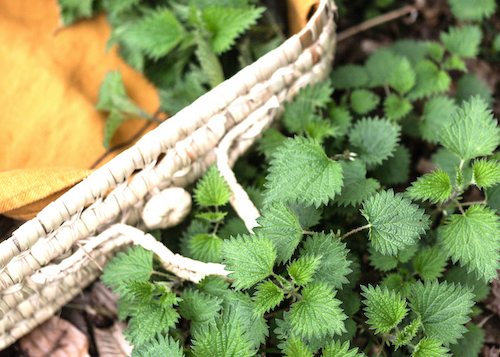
(50, 78)
(49, 82)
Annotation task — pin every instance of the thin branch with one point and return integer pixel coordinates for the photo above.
(375, 22)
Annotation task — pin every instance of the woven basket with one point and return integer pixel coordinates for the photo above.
(51, 258)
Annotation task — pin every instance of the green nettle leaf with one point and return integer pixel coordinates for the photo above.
(280, 225)
(412, 49)
(380, 66)
(396, 107)
(459, 275)
(396, 169)
(308, 216)
(395, 222)
(271, 140)
(227, 23)
(472, 10)
(114, 121)
(251, 258)
(349, 76)
(156, 34)
(342, 118)
(334, 266)
(398, 283)
(71, 10)
(212, 217)
(449, 163)
(267, 296)
(364, 101)
(430, 80)
(206, 248)
(405, 336)
(135, 265)
(301, 171)
(430, 347)
(118, 5)
(226, 337)
(384, 308)
(470, 86)
(318, 313)
(159, 346)
(430, 263)
(374, 139)
(150, 319)
(455, 62)
(493, 197)
(339, 349)
(403, 78)
(435, 50)
(389, 262)
(213, 285)
(485, 173)
(301, 270)
(199, 307)
(302, 111)
(437, 116)
(474, 239)
(471, 344)
(463, 41)
(212, 190)
(473, 131)
(209, 62)
(294, 347)
(435, 187)
(356, 186)
(443, 308)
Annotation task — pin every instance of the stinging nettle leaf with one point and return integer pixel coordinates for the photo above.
(356, 186)
(396, 107)
(363, 101)
(280, 225)
(473, 239)
(374, 139)
(443, 309)
(159, 346)
(437, 116)
(430, 347)
(395, 222)
(380, 66)
(136, 265)
(251, 258)
(473, 131)
(403, 78)
(435, 187)
(349, 76)
(471, 344)
(384, 308)
(267, 296)
(339, 349)
(334, 265)
(301, 171)
(301, 270)
(472, 10)
(470, 86)
(459, 275)
(485, 173)
(294, 347)
(430, 263)
(318, 313)
(463, 41)
(430, 80)
(212, 190)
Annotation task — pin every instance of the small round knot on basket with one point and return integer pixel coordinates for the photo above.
(167, 209)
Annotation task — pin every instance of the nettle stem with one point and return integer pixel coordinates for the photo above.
(359, 229)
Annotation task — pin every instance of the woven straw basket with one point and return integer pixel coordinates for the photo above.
(51, 258)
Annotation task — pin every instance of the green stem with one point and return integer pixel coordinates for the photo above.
(459, 206)
(359, 229)
(168, 276)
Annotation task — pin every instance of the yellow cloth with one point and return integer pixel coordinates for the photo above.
(51, 134)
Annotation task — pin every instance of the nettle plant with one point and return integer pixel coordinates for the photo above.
(336, 208)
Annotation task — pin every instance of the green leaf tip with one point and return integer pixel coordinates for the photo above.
(435, 187)
(395, 222)
(212, 190)
(485, 173)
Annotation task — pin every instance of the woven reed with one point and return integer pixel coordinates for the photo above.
(51, 258)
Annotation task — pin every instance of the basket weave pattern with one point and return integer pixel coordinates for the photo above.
(51, 258)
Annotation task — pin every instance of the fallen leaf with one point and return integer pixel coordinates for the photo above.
(111, 341)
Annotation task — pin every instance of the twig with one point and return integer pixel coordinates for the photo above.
(375, 22)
